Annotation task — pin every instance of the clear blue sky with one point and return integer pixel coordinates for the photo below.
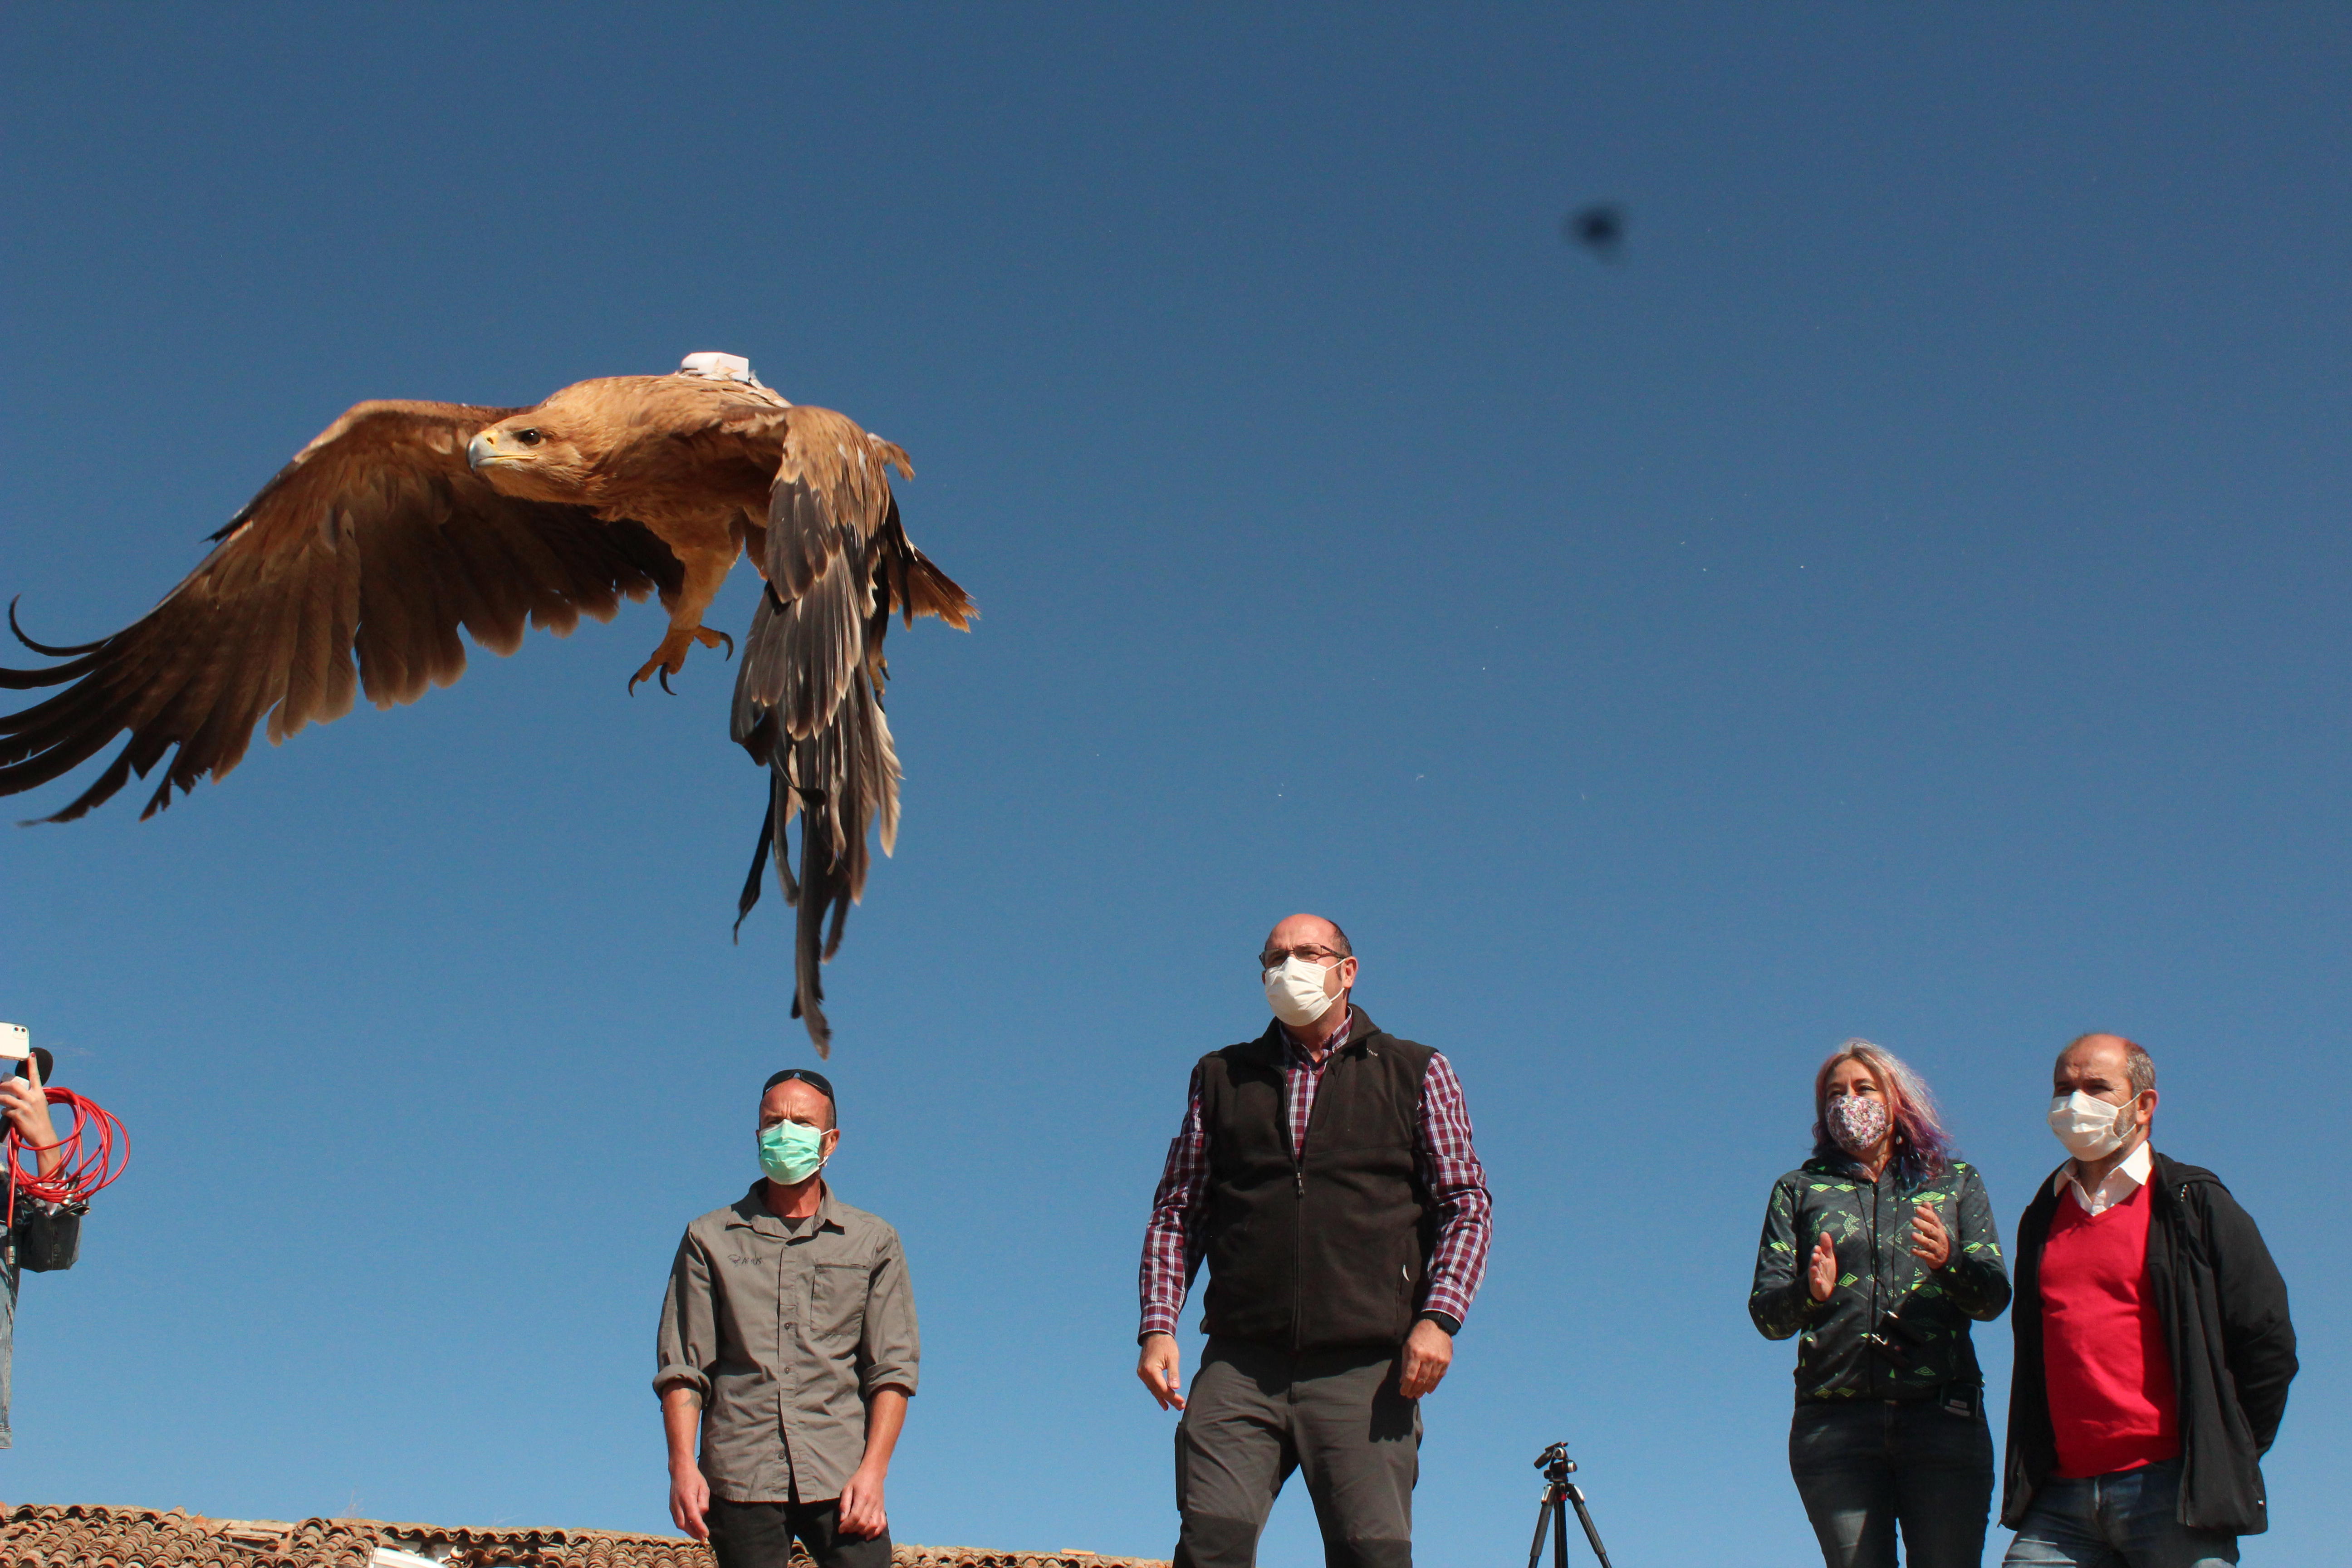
(1902, 597)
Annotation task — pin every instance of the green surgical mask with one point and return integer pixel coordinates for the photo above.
(790, 1153)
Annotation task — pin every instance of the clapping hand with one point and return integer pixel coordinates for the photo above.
(1821, 1269)
(1931, 1244)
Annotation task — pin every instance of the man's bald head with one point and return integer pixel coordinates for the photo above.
(2109, 1058)
(1309, 931)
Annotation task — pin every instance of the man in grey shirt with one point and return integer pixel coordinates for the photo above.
(788, 1342)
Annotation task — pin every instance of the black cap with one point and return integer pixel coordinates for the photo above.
(809, 1076)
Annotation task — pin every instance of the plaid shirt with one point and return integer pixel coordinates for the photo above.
(1447, 1164)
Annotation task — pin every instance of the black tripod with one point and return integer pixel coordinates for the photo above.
(1552, 1512)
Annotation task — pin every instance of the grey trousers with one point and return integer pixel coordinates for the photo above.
(1254, 1415)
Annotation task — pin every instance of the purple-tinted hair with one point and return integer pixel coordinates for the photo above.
(1922, 1148)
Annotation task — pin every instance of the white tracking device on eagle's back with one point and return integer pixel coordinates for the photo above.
(15, 1042)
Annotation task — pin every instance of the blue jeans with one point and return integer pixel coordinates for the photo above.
(2130, 1519)
(1865, 1465)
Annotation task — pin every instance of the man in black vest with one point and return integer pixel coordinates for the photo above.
(1325, 1173)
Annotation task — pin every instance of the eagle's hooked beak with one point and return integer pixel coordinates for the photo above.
(483, 448)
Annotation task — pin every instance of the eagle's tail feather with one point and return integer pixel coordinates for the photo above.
(820, 885)
(931, 591)
(751, 894)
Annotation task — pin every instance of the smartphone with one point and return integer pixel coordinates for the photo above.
(16, 1045)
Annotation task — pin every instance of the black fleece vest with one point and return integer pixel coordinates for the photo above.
(1330, 1253)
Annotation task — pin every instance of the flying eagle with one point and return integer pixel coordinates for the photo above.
(404, 522)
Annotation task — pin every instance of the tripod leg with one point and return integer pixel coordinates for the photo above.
(1585, 1519)
(1560, 1534)
(1543, 1520)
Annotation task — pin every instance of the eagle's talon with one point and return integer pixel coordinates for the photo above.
(671, 657)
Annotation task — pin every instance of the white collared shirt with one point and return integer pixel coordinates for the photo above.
(2117, 1185)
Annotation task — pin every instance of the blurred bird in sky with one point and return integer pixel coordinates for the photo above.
(404, 522)
(1599, 228)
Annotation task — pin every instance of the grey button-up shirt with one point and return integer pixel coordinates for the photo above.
(785, 1338)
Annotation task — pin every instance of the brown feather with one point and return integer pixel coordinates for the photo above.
(372, 547)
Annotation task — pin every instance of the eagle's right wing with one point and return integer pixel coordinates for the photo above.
(377, 541)
(808, 692)
(829, 500)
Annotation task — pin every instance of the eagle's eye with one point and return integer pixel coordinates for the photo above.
(528, 438)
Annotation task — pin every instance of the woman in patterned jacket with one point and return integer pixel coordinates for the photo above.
(1877, 1254)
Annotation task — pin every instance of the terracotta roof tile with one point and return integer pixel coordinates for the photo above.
(77, 1535)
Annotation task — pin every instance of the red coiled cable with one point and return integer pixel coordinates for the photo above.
(101, 1148)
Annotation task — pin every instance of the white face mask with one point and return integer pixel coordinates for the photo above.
(1295, 991)
(2091, 1129)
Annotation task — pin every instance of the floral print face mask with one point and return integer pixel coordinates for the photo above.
(1857, 1124)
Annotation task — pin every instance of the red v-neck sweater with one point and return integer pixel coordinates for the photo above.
(2112, 1403)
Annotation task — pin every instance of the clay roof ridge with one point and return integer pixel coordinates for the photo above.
(99, 1535)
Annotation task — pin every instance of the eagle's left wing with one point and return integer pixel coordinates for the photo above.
(375, 545)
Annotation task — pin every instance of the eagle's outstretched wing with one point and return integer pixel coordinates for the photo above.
(808, 695)
(376, 541)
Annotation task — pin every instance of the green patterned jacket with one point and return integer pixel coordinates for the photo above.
(1890, 1329)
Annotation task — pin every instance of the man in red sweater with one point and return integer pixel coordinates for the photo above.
(2153, 1345)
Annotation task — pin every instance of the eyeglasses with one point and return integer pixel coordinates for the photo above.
(1272, 957)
